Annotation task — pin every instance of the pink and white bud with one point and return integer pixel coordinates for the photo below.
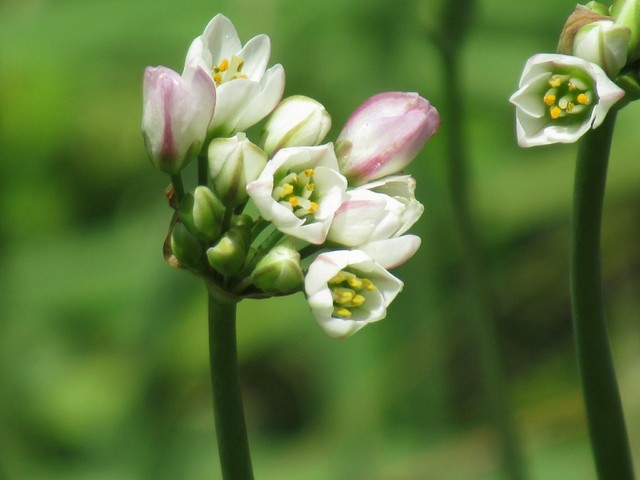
(384, 135)
(176, 111)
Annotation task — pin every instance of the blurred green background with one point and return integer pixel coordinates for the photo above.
(103, 347)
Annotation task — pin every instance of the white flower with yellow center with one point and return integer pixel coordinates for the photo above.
(246, 91)
(347, 289)
(560, 98)
(299, 191)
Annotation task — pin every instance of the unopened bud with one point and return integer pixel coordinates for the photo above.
(626, 13)
(279, 270)
(228, 255)
(297, 121)
(186, 247)
(202, 213)
(233, 163)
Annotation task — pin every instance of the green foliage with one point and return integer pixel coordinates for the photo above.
(103, 351)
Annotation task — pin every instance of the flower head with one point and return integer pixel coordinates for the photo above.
(299, 191)
(560, 98)
(384, 135)
(176, 111)
(347, 290)
(247, 91)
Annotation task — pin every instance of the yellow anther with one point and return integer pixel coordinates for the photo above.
(243, 76)
(287, 189)
(368, 285)
(309, 172)
(572, 87)
(338, 278)
(293, 201)
(217, 78)
(357, 300)
(310, 186)
(555, 112)
(555, 82)
(342, 295)
(342, 312)
(313, 208)
(549, 99)
(583, 99)
(224, 65)
(239, 68)
(355, 283)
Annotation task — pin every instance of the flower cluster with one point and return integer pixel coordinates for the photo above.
(288, 213)
(564, 95)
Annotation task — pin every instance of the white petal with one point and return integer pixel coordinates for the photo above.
(221, 38)
(255, 55)
(264, 98)
(393, 252)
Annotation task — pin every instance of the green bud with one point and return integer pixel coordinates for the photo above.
(626, 13)
(186, 247)
(202, 213)
(279, 270)
(228, 255)
(242, 220)
(233, 163)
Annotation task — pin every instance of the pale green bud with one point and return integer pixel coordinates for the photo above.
(233, 163)
(298, 121)
(626, 13)
(228, 255)
(604, 44)
(186, 247)
(279, 270)
(202, 213)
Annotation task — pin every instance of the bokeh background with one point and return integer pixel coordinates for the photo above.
(103, 347)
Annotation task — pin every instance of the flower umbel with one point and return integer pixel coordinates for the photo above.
(560, 98)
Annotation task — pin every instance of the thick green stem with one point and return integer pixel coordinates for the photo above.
(178, 188)
(231, 432)
(602, 399)
(480, 312)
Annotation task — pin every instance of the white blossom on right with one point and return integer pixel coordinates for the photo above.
(560, 98)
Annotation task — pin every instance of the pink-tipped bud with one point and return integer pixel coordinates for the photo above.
(384, 135)
(176, 111)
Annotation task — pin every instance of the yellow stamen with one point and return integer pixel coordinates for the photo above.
(357, 300)
(294, 202)
(572, 87)
(343, 295)
(555, 82)
(313, 208)
(217, 78)
(555, 112)
(309, 172)
(583, 99)
(341, 312)
(224, 65)
(354, 283)
(287, 189)
(549, 99)
(338, 278)
(368, 285)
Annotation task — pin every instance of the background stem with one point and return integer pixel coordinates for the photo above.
(479, 312)
(231, 432)
(600, 388)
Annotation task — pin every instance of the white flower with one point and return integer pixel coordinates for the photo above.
(297, 121)
(247, 92)
(347, 290)
(379, 210)
(176, 111)
(299, 191)
(560, 98)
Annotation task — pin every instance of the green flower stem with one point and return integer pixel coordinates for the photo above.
(480, 312)
(602, 398)
(203, 167)
(178, 187)
(231, 432)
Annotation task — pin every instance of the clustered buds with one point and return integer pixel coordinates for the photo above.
(562, 96)
(288, 213)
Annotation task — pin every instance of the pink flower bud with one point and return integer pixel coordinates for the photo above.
(176, 112)
(384, 135)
